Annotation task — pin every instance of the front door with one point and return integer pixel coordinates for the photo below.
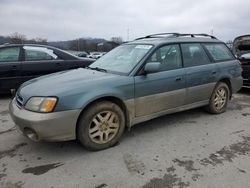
(9, 68)
(162, 90)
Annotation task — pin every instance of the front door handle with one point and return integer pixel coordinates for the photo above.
(214, 72)
(58, 64)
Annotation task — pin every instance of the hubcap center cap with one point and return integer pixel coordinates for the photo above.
(104, 126)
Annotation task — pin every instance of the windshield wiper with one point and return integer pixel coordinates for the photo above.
(97, 68)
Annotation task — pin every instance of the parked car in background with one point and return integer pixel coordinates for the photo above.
(82, 54)
(96, 55)
(135, 82)
(22, 62)
(241, 48)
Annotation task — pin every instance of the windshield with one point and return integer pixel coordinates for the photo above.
(122, 59)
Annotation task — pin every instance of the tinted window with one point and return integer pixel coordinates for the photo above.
(219, 52)
(194, 54)
(169, 56)
(9, 54)
(38, 53)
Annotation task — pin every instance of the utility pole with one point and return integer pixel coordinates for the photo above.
(127, 34)
(78, 44)
(212, 32)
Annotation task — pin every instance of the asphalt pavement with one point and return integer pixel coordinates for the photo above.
(187, 149)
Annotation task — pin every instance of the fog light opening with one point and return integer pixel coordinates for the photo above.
(32, 135)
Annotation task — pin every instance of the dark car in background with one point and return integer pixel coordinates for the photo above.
(22, 62)
(82, 54)
(241, 48)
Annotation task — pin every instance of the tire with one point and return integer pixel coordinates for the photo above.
(219, 99)
(101, 126)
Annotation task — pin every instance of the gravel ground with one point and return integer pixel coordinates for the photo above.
(187, 149)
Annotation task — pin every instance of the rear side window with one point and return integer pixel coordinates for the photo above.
(38, 54)
(9, 54)
(219, 52)
(194, 55)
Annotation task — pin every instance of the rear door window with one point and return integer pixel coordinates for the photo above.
(9, 54)
(219, 52)
(194, 55)
(39, 54)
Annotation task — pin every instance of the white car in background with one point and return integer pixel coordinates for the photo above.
(96, 55)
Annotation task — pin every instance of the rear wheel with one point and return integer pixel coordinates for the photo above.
(101, 126)
(219, 99)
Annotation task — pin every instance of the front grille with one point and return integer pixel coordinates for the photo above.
(246, 71)
(19, 101)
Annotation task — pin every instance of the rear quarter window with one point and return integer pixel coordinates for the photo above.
(219, 52)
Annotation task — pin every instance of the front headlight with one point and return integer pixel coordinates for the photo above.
(41, 104)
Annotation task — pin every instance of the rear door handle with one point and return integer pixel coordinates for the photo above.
(14, 67)
(178, 79)
(214, 72)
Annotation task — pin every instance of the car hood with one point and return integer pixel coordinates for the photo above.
(64, 82)
(241, 45)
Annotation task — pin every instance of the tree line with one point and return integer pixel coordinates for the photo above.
(80, 44)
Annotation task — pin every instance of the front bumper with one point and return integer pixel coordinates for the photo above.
(55, 126)
(246, 83)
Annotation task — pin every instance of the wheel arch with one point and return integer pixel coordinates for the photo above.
(112, 99)
(229, 84)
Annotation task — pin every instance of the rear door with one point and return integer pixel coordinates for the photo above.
(39, 61)
(9, 68)
(163, 90)
(201, 73)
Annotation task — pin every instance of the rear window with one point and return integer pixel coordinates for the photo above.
(33, 53)
(219, 52)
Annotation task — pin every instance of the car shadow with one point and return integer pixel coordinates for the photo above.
(6, 96)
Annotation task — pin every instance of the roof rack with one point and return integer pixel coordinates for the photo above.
(159, 35)
(199, 34)
(167, 35)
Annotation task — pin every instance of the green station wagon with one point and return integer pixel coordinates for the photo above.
(137, 81)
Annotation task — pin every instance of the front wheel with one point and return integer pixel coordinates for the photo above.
(101, 126)
(219, 99)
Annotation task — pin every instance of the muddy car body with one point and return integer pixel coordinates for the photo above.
(135, 82)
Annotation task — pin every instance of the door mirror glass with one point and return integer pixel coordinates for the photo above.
(152, 67)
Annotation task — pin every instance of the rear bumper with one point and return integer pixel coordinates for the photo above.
(56, 126)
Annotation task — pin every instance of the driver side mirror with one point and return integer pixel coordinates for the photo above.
(152, 67)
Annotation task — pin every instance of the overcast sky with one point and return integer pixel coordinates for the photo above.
(70, 19)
